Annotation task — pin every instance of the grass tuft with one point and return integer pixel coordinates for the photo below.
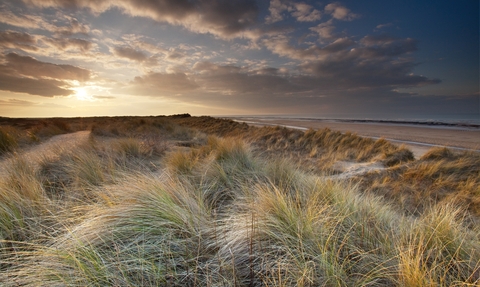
(7, 142)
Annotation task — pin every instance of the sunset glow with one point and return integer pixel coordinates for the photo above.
(82, 94)
(78, 58)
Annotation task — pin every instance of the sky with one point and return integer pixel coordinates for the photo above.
(411, 58)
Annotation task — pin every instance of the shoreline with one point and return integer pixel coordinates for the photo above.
(431, 124)
(418, 137)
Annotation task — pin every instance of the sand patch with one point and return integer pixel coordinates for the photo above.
(349, 169)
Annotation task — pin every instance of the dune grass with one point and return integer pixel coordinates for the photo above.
(315, 150)
(7, 141)
(440, 175)
(215, 211)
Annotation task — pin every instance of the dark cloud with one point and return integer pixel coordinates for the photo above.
(234, 86)
(175, 56)
(386, 46)
(12, 39)
(270, 90)
(373, 61)
(280, 45)
(39, 87)
(130, 53)
(28, 66)
(25, 74)
(227, 17)
(222, 86)
(344, 72)
(242, 83)
(224, 18)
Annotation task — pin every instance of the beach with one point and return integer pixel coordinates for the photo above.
(417, 136)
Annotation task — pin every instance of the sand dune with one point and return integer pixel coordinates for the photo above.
(419, 138)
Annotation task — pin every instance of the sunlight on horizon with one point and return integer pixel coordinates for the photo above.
(82, 95)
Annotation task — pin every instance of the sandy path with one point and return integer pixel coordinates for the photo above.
(49, 149)
(418, 138)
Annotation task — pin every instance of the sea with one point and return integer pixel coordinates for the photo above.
(461, 120)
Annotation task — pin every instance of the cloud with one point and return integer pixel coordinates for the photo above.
(367, 67)
(342, 64)
(103, 97)
(25, 21)
(28, 66)
(130, 53)
(69, 44)
(218, 85)
(386, 46)
(305, 13)
(325, 29)
(214, 69)
(381, 26)
(64, 25)
(340, 12)
(73, 27)
(344, 81)
(12, 39)
(276, 8)
(155, 84)
(17, 103)
(230, 79)
(39, 87)
(25, 74)
(223, 18)
(302, 12)
(280, 45)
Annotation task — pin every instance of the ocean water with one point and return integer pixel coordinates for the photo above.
(450, 119)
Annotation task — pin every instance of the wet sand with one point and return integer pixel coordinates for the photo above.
(418, 137)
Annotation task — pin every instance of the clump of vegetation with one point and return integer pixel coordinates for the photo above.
(216, 211)
(439, 176)
(7, 141)
(398, 156)
(316, 150)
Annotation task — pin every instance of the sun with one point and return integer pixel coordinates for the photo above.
(82, 94)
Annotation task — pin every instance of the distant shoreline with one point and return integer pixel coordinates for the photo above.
(418, 136)
(438, 124)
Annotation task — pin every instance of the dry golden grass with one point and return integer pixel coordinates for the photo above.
(216, 211)
(315, 150)
(440, 176)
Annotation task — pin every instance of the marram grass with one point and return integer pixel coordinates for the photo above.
(218, 215)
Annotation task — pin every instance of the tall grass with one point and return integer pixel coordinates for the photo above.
(20, 198)
(7, 141)
(215, 213)
(439, 176)
(315, 150)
